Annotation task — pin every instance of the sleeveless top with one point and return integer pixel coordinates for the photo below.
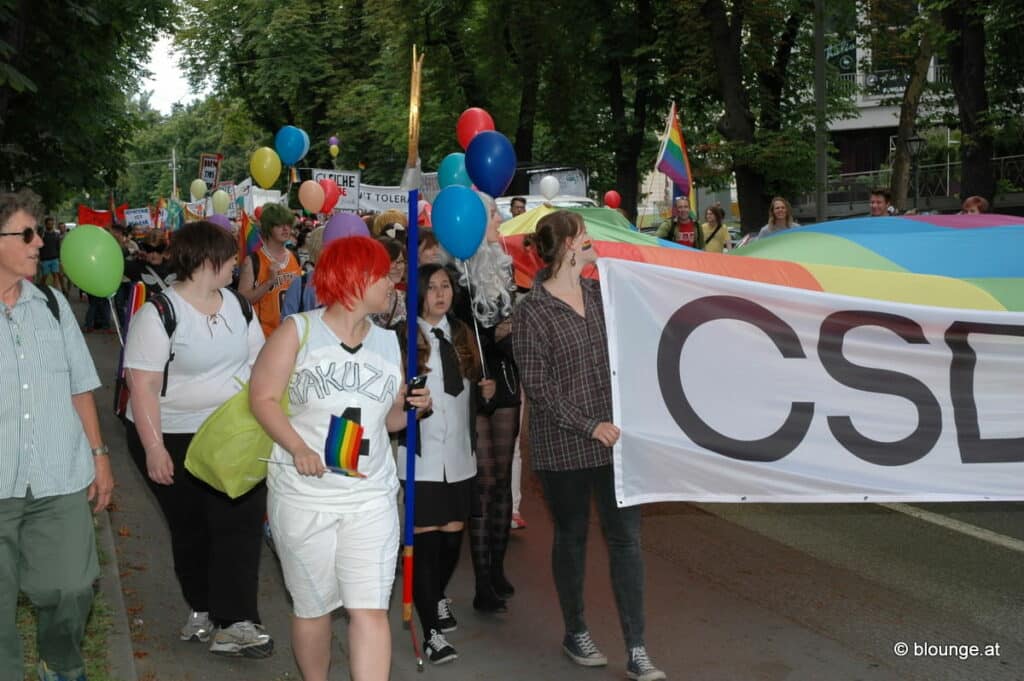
(268, 308)
(359, 384)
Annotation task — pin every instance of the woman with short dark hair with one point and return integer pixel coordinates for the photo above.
(178, 377)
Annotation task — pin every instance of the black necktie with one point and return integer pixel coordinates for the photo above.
(449, 364)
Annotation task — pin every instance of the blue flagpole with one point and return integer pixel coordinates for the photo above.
(412, 328)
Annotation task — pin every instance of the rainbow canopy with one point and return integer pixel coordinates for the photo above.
(603, 224)
(980, 251)
(966, 262)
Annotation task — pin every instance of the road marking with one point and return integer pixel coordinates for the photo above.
(959, 526)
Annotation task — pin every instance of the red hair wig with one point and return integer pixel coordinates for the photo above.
(346, 267)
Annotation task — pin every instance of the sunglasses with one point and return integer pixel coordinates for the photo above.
(27, 234)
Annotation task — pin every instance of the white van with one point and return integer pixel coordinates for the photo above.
(534, 200)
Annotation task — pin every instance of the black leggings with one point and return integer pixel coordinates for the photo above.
(491, 514)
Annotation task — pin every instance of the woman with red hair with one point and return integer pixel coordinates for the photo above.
(336, 528)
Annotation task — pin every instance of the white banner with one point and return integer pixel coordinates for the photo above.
(380, 199)
(348, 183)
(728, 390)
(138, 217)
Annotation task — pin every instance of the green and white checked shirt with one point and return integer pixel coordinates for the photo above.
(42, 364)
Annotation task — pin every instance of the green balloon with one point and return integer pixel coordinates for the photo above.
(92, 260)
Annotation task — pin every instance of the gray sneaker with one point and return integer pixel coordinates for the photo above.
(197, 627)
(582, 650)
(640, 667)
(242, 639)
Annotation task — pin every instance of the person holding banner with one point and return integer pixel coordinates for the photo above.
(561, 347)
(333, 489)
(265, 275)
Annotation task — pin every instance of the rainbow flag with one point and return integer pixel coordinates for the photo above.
(672, 158)
(249, 240)
(341, 449)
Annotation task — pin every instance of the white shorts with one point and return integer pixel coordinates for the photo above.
(331, 560)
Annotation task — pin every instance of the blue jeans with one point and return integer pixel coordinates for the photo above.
(568, 496)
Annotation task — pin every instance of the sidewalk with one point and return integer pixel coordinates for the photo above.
(697, 629)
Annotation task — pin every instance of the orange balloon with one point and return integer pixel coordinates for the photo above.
(311, 196)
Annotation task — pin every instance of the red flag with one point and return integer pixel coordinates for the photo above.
(100, 218)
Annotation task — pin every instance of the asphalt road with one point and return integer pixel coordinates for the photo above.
(734, 592)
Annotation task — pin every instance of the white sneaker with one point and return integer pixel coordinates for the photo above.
(197, 627)
(242, 639)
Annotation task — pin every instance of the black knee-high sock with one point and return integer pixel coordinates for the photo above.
(451, 547)
(425, 591)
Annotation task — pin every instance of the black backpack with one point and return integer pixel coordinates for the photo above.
(51, 301)
(165, 310)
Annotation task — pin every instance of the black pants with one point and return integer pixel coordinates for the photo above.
(215, 540)
(568, 494)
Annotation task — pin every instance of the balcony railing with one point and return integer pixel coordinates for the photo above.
(937, 180)
(886, 82)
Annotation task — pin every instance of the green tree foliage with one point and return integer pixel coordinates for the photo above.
(216, 125)
(66, 71)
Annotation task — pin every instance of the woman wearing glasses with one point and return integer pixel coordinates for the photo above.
(176, 381)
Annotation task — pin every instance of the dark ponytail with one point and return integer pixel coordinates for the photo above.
(553, 232)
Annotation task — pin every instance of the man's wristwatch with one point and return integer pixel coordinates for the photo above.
(102, 450)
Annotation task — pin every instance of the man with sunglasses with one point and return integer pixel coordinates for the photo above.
(54, 461)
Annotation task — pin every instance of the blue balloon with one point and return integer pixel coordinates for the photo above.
(460, 220)
(291, 144)
(452, 171)
(491, 162)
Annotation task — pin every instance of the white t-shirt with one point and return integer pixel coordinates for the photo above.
(446, 451)
(212, 357)
(360, 384)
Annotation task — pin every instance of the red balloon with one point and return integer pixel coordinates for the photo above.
(332, 192)
(612, 199)
(472, 121)
(258, 213)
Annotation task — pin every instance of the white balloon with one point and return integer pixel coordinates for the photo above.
(549, 186)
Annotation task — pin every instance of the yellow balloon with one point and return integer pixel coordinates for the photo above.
(335, 151)
(221, 201)
(265, 167)
(198, 189)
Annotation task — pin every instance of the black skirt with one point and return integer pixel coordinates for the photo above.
(440, 503)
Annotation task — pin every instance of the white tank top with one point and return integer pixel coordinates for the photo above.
(359, 384)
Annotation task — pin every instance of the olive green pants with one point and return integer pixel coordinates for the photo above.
(48, 551)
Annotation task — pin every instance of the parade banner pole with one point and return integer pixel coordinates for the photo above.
(411, 180)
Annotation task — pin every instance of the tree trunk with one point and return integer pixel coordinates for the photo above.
(908, 117)
(465, 76)
(524, 51)
(967, 71)
(629, 133)
(737, 123)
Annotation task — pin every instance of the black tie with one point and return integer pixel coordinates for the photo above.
(449, 364)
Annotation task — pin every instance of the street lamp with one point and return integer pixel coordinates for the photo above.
(915, 145)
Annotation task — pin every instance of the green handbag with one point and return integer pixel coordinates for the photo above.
(225, 452)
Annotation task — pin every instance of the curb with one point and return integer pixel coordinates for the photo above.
(120, 654)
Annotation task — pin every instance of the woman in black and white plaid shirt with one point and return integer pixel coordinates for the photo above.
(561, 348)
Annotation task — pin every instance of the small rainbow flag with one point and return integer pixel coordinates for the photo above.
(249, 240)
(673, 160)
(341, 450)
